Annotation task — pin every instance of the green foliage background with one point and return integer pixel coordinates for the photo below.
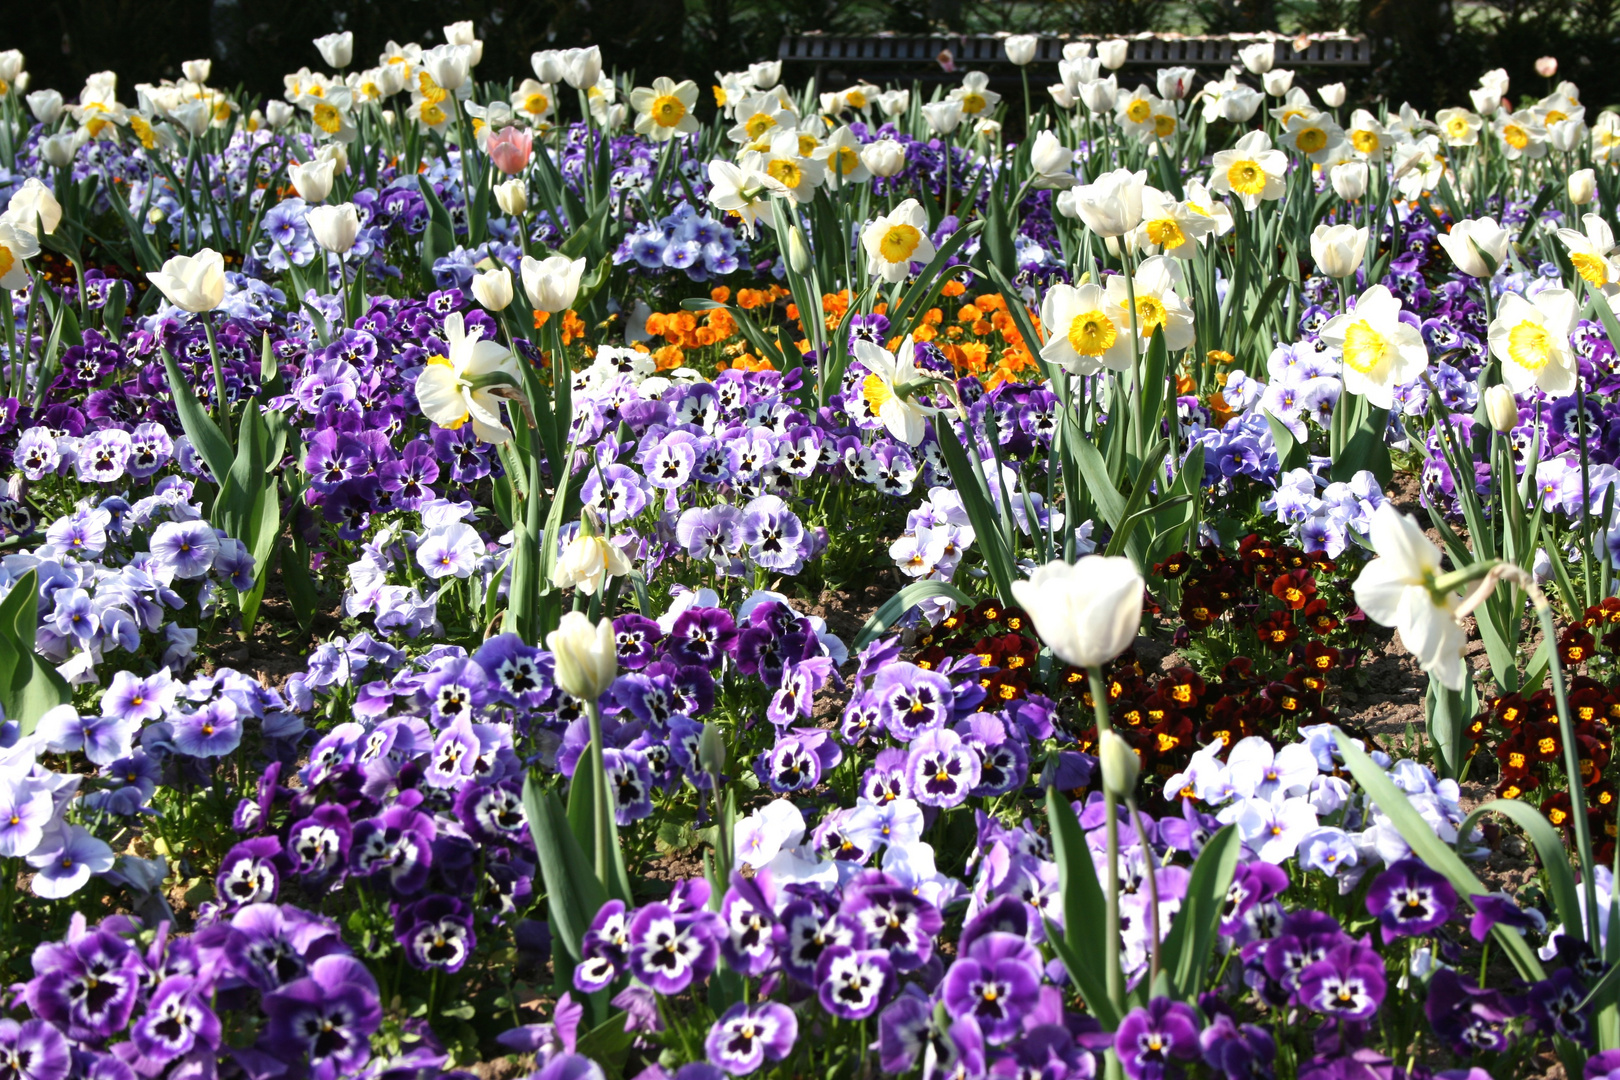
(1426, 51)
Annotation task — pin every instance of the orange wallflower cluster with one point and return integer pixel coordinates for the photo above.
(573, 327)
(969, 341)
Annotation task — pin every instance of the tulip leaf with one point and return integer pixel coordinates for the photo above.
(1427, 845)
(573, 894)
(975, 494)
(210, 442)
(1291, 453)
(29, 687)
(903, 601)
(1549, 844)
(920, 296)
(1080, 946)
(582, 820)
(1184, 956)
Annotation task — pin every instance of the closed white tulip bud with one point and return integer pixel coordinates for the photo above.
(582, 67)
(1582, 186)
(1021, 48)
(1501, 407)
(943, 116)
(11, 65)
(549, 66)
(449, 65)
(462, 35)
(1240, 103)
(1332, 94)
(335, 227)
(34, 208)
(58, 150)
(1113, 52)
(1062, 97)
(1048, 157)
(194, 283)
(337, 154)
(1469, 243)
(586, 658)
(23, 81)
(1258, 57)
(197, 70)
(1174, 83)
(277, 113)
(1120, 765)
(1087, 612)
(1349, 180)
(313, 179)
(1076, 50)
(46, 105)
(1278, 82)
(1338, 249)
(493, 289)
(193, 117)
(1099, 95)
(1486, 100)
(337, 49)
(512, 197)
(552, 284)
(884, 157)
(798, 253)
(765, 74)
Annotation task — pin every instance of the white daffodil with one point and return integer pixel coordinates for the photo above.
(1200, 201)
(1158, 306)
(1084, 337)
(665, 110)
(1459, 127)
(975, 95)
(1368, 137)
(1380, 351)
(798, 175)
(896, 240)
(1313, 135)
(890, 386)
(841, 160)
(1397, 589)
(1531, 338)
(1174, 228)
(744, 190)
(1589, 251)
(457, 388)
(1522, 135)
(1252, 170)
(16, 245)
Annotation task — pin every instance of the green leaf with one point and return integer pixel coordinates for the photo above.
(1186, 950)
(970, 483)
(573, 895)
(920, 296)
(903, 601)
(300, 585)
(211, 444)
(1290, 454)
(1549, 844)
(1080, 946)
(29, 687)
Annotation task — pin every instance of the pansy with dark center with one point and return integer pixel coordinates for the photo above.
(1348, 983)
(1409, 899)
(747, 1036)
(853, 984)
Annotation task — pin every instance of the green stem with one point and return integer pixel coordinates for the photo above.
(222, 405)
(600, 797)
(1112, 971)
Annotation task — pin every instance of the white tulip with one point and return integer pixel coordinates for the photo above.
(549, 66)
(1112, 204)
(1021, 48)
(33, 208)
(462, 35)
(1113, 53)
(313, 179)
(512, 197)
(1338, 249)
(1050, 159)
(1174, 83)
(1277, 82)
(1088, 612)
(1100, 95)
(1349, 180)
(1076, 50)
(884, 157)
(449, 65)
(1501, 408)
(553, 283)
(194, 283)
(197, 71)
(585, 655)
(1397, 589)
(581, 67)
(1258, 57)
(1582, 187)
(943, 116)
(335, 227)
(1120, 764)
(1332, 94)
(46, 105)
(338, 49)
(1470, 242)
(277, 113)
(765, 74)
(493, 289)
(1487, 102)
(58, 150)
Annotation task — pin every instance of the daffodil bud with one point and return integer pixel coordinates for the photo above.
(1120, 765)
(798, 254)
(1502, 409)
(712, 750)
(1582, 186)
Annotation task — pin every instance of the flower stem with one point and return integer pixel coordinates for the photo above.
(1114, 974)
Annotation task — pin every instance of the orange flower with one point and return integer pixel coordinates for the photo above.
(952, 288)
(924, 333)
(669, 357)
(968, 314)
(991, 302)
(540, 318)
(983, 328)
(749, 299)
(720, 293)
(1185, 385)
(655, 324)
(934, 317)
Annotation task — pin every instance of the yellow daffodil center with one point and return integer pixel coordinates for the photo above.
(1457, 127)
(1365, 349)
(876, 393)
(667, 110)
(1553, 116)
(1166, 233)
(431, 114)
(537, 104)
(143, 131)
(898, 243)
(845, 161)
(1138, 111)
(1310, 140)
(1246, 177)
(758, 124)
(431, 90)
(222, 111)
(1590, 267)
(1150, 314)
(1092, 333)
(807, 144)
(1515, 136)
(327, 118)
(1365, 142)
(7, 260)
(1529, 345)
(856, 99)
(719, 97)
(972, 103)
(786, 171)
(1164, 125)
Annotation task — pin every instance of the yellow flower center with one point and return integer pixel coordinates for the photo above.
(1553, 116)
(786, 171)
(898, 243)
(1365, 142)
(856, 99)
(667, 110)
(1515, 136)
(7, 260)
(1166, 233)
(758, 124)
(431, 90)
(222, 111)
(1310, 140)
(1590, 267)
(876, 393)
(1457, 127)
(431, 114)
(719, 97)
(1365, 349)
(1092, 333)
(1138, 111)
(1150, 314)
(845, 161)
(1529, 345)
(327, 118)
(807, 144)
(1246, 177)
(973, 104)
(537, 104)
(1164, 125)
(143, 131)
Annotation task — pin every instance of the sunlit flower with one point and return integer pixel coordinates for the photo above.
(455, 388)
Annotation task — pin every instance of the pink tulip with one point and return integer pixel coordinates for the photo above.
(510, 149)
(1547, 66)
